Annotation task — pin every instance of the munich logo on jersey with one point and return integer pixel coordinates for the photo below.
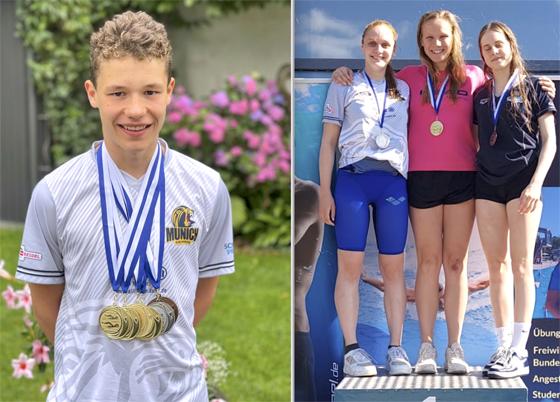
(32, 255)
(182, 231)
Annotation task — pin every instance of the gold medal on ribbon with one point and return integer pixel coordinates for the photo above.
(112, 322)
(436, 128)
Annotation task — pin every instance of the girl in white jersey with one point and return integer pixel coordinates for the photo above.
(367, 122)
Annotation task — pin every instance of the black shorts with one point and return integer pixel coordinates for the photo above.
(506, 192)
(432, 188)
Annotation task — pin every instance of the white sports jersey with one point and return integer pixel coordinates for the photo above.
(354, 109)
(63, 243)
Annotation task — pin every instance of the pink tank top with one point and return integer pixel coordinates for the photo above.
(454, 149)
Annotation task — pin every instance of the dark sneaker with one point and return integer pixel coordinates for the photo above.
(514, 365)
(357, 363)
(498, 354)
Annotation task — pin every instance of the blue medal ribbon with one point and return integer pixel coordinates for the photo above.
(436, 102)
(380, 112)
(129, 255)
(507, 89)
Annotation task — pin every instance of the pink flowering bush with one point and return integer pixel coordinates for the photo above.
(243, 131)
(38, 354)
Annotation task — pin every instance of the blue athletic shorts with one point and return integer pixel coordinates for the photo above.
(386, 193)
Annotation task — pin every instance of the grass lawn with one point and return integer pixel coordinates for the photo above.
(250, 319)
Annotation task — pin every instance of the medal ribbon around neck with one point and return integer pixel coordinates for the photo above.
(507, 89)
(381, 112)
(129, 254)
(436, 102)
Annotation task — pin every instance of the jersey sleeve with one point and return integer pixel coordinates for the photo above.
(40, 259)
(543, 104)
(333, 111)
(216, 251)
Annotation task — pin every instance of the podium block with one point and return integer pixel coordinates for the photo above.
(441, 387)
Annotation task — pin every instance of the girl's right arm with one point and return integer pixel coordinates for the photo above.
(327, 209)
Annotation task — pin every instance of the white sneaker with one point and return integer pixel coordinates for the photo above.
(357, 363)
(514, 364)
(426, 363)
(498, 355)
(397, 361)
(455, 360)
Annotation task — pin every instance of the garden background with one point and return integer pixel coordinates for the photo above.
(231, 110)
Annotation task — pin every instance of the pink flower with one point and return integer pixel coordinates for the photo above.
(284, 166)
(255, 105)
(264, 94)
(3, 273)
(221, 158)
(185, 105)
(266, 120)
(24, 299)
(250, 85)
(239, 107)
(174, 117)
(22, 366)
(232, 80)
(40, 352)
(266, 174)
(219, 99)
(233, 123)
(253, 140)
(276, 113)
(236, 151)
(215, 126)
(259, 159)
(185, 137)
(10, 297)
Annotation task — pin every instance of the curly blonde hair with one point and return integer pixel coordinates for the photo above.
(455, 63)
(134, 34)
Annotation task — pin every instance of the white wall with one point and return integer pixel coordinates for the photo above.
(256, 40)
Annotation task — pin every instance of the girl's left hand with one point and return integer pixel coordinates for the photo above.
(529, 198)
(548, 86)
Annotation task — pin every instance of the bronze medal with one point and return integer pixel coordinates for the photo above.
(436, 128)
(493, 138)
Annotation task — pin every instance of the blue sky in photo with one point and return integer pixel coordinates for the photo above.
(551, 200)
(332, 29)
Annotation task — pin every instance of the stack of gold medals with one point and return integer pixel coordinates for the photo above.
(138, 320)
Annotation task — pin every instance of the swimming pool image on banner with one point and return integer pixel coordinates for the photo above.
(478, 335)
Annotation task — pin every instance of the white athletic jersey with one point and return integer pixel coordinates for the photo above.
(354, 109)
(63, 243)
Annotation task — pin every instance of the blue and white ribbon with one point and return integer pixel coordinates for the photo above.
(137, 251)
(381, 112)
(436, 102)
(504, 95)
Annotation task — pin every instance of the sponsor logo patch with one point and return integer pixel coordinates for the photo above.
(229, 248)
(183, 231)
(31, 255)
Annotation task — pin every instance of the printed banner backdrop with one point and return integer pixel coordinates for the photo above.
(478, 338)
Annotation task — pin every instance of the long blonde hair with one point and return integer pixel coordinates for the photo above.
(455, 64)
(389, 73)
(517, 63)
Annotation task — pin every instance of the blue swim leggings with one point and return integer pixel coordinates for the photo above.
(386, 193)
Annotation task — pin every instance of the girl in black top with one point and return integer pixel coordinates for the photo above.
(514, 120)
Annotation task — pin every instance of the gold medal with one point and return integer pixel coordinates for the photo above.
(436, 128)
(112, 322)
